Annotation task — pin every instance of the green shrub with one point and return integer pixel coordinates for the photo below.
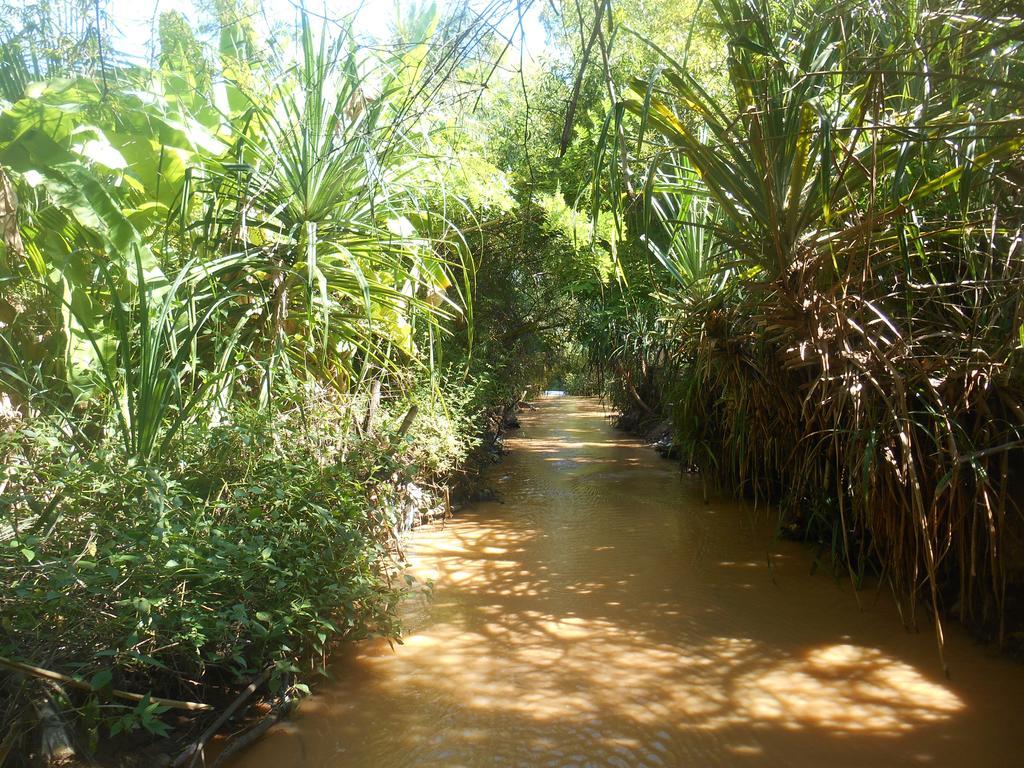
(445, 431)
(250, 551)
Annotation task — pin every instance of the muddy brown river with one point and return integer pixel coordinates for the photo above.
(603, 615)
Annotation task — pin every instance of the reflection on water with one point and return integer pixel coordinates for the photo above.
(603, 615)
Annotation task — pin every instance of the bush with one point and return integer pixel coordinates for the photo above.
(254, 549)
(263, 541)
(445, 431)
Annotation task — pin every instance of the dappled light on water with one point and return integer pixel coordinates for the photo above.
(601, 614)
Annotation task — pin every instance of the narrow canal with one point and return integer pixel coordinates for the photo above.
(601, 614)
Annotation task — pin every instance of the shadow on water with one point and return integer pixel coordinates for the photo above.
(603, 615)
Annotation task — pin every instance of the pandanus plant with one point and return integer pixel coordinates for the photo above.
(339, 253)
(865, 182)
(190, 254)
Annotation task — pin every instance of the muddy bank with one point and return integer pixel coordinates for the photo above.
(605, 615)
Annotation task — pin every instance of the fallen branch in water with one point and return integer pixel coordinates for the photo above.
(245, 739)
(47, 674)
(195, 749)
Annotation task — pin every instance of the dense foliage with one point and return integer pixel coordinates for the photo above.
(262, 299)
(836, 323)
(239, 350)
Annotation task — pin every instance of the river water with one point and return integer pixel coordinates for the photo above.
(601, 614)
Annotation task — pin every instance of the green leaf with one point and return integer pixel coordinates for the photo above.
(101, 680)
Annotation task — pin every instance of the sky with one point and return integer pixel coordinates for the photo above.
(135, 20)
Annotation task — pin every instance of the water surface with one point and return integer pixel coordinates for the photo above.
(604, 615)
